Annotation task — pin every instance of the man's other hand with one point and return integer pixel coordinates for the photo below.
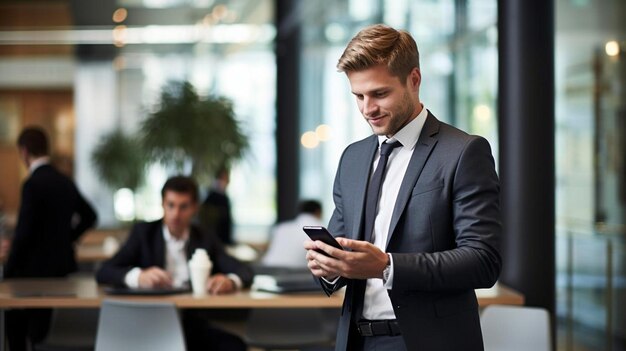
(154, 277)
(220, 284)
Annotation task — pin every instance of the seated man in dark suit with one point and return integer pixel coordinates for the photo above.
(156, 255)
(52, 216)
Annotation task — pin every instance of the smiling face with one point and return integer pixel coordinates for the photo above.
(386, 103)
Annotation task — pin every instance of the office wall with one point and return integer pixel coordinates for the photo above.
(50, 109)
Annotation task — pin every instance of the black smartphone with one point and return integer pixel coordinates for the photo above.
(320, 233)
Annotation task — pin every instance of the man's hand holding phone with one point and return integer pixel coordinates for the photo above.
(363, 261)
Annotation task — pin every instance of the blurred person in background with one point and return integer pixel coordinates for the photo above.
(4, 241)
(52, 216)
(215, 212)
(156, 254)
(286, 238)
(5, 244)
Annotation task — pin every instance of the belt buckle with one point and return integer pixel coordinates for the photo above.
(365, 329)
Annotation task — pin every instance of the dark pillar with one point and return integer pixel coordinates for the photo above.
(287, 106)
(93, 13)
(526, 134)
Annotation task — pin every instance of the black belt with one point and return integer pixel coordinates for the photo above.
(388, 327)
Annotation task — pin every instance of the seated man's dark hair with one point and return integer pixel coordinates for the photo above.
(181, 184)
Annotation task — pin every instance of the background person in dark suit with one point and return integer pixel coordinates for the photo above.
(52, 216)
(156, 255)
(434, 225)
(215, 212)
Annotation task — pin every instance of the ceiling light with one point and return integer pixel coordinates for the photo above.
(612, 48)
(309, 140)
(120, 15)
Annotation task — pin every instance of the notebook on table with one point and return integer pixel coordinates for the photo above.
(123, 290)
(286, 283)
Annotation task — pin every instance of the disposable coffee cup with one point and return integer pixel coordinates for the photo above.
(199, 270)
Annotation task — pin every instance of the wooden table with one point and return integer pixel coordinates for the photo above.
(92, 254)
(83, 292)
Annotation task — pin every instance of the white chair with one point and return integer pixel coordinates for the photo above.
(127, 325)
(515, 328)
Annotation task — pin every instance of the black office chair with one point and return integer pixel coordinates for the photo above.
(71, 329)
(288, 329)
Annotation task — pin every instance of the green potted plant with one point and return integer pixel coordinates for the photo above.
(120, 162)
(187, 129)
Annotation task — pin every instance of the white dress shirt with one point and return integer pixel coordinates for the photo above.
(376, 304)
(175, 257)
(38, 162)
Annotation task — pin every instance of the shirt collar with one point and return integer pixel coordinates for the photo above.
(408, 135)
(38, 162)
(170, 238)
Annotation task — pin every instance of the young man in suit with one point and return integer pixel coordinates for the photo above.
(52, 216)
(156, 254)
(419, 234)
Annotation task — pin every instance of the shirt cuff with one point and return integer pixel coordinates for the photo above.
(389, 283)
(329, 282)
(131, 279)
(235, 278)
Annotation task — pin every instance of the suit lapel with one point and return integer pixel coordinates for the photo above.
(422, 151)
(363, 173)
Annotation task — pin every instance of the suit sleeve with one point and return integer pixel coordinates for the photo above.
(86, 214)
(475, 261)
(114, 270)
(25, 232)
(336, 227)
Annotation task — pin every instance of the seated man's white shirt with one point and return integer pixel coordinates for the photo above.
(175, 257)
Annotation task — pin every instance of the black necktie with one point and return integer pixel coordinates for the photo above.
(373, 189)
(371, 203)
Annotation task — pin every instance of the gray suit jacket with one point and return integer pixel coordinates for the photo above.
(443, 235)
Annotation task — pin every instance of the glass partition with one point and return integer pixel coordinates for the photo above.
(590, 139)
(114, 57)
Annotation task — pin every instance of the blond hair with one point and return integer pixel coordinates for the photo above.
(381, 44)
